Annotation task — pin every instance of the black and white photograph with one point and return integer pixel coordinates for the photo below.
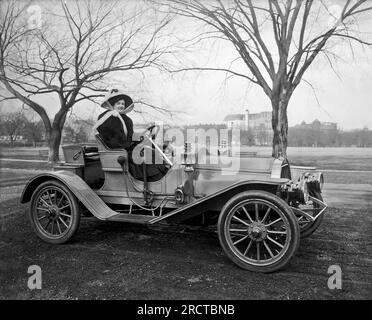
(186, 155)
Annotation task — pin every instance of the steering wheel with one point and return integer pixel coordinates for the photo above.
(151, 131)
(152, 134)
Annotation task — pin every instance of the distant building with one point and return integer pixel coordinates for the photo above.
(235, 121)
(315, 134)
(319, 126)
(258, 123)
(328, 126)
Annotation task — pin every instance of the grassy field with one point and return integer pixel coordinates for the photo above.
(322, 158)
(27, 153)
(110, 260)
(325, 158)
(23, 165)
(348, 177)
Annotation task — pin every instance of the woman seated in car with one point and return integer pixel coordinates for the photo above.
(115, 129)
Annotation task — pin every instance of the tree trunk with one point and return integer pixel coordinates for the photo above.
(54, 143)
(55, 135)
(280, 127)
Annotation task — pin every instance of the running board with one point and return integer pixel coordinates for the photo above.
(131, 218)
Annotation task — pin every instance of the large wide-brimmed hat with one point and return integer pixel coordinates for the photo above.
(115, 95)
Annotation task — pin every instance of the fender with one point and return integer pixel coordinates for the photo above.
(216, 201)
(77, 186)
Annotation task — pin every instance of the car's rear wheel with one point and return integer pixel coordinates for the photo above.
(258, 231)
(54, 212)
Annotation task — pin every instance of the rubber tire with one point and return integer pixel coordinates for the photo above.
(311, 227)
(281, 205)
(74, 209)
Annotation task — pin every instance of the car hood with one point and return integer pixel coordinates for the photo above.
(220, 172)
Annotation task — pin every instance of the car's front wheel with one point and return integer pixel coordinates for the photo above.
(258, 231)
(54, 212)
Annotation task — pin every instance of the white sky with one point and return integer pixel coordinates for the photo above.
(205, 97)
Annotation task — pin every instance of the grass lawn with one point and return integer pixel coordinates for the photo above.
(8, 171)
(323, 158)
(111, 260)
(348, 177)
(25, 165)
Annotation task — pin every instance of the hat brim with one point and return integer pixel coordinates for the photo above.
(112, 97)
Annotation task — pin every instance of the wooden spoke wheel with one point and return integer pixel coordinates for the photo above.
(54, 212)
(258, 231)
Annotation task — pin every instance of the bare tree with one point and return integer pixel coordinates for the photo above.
(276, 60)
(71, 53)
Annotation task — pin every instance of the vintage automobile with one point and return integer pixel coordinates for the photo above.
(261, 210)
